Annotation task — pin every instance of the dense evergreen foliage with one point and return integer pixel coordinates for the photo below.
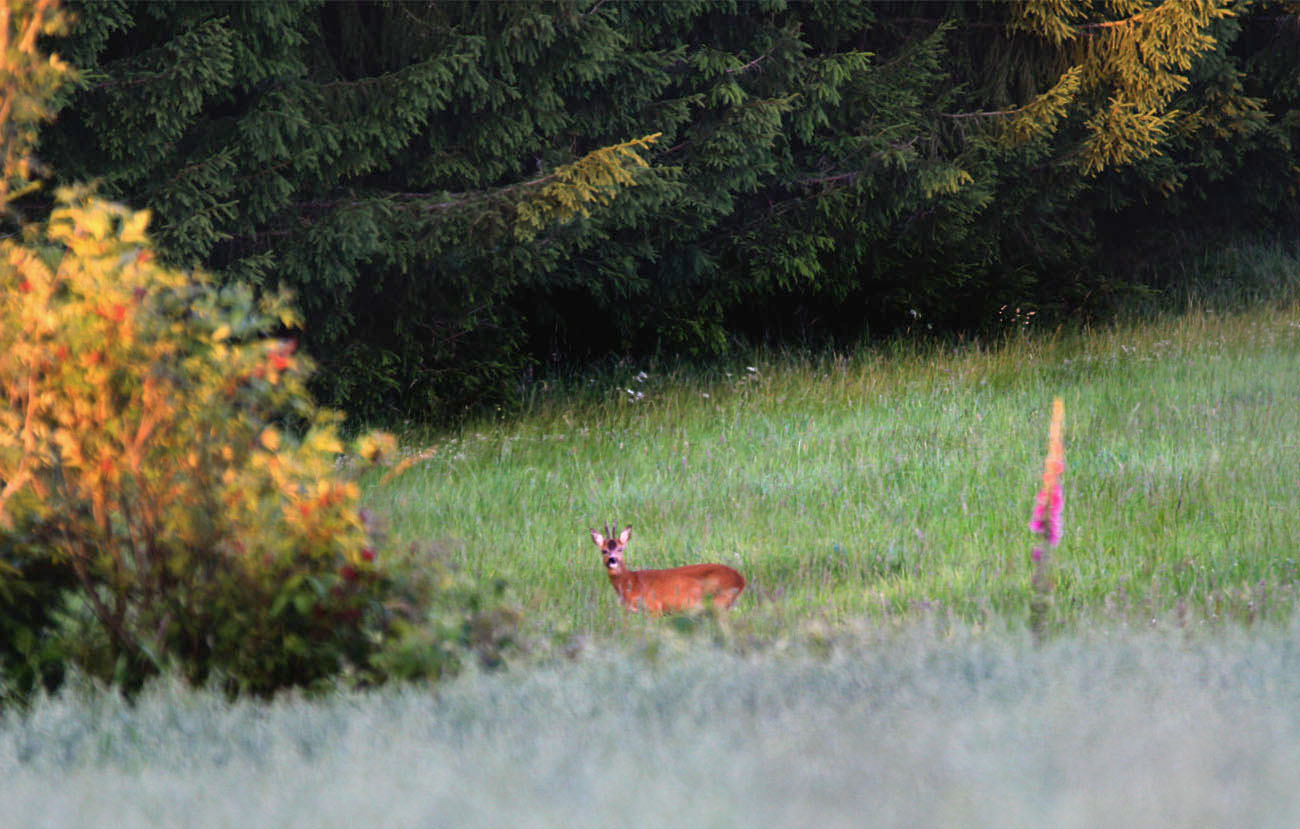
(459, 193)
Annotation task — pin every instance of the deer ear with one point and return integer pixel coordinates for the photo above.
(625, 535)
(598, 538)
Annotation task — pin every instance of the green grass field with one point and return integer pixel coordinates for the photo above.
(900, 481)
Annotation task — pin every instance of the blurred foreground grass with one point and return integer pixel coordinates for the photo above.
(926, 725)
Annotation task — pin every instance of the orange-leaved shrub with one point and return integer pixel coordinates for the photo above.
(158, 444)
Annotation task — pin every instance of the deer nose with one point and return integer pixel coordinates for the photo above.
(612, 562)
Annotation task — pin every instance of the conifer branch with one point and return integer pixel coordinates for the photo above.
(992, 113)
(603, 164)
(143, 78)
(931, 21)
(424, 24)
(836, 178)
(592, 10)
(755, 62)
(1113, 24)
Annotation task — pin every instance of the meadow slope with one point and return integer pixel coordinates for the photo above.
(896, 481)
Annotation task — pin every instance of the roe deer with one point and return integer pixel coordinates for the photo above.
(665, 591)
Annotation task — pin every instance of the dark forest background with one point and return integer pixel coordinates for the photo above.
(465, 196)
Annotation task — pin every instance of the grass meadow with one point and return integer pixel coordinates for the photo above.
(899, 482)
(877, 671)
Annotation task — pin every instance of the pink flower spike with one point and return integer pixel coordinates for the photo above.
(1049, 507)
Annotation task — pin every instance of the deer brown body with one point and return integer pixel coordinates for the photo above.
(669, 590)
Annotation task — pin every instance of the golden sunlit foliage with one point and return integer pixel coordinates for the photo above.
(28, 82)
(1124, 70)
(591, 180)
(160, 438)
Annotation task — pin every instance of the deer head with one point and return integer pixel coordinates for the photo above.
(611, 548)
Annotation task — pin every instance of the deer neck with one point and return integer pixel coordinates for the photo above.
(621, 579)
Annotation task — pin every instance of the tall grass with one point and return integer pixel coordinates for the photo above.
(925, 727)
(890, 480)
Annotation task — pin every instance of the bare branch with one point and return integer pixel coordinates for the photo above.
(755, 62)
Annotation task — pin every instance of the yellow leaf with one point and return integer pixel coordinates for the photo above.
(270, 438)
(95, 222)
(221, 333)
(133, 228)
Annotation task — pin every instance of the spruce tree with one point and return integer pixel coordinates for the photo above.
(460, 193)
